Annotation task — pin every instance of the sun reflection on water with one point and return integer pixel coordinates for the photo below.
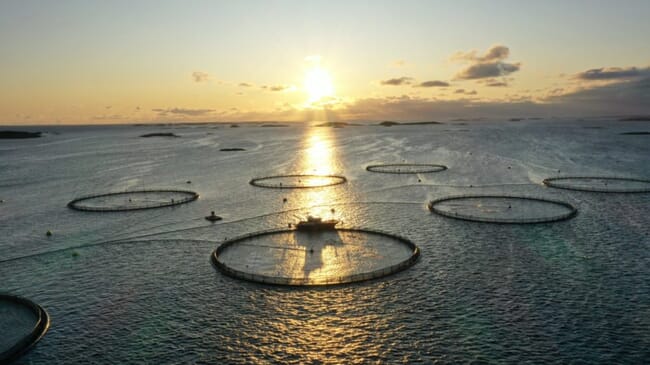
(320, 158)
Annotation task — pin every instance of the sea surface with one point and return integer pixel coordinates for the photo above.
(139, 286)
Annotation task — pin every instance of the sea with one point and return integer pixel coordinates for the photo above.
(139, 287)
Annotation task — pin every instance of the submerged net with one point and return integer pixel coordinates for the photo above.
(297, 181)
(22, 324)
(406, 168)
(132, 200)
(502, 209)
(291, 257)
(599, 184)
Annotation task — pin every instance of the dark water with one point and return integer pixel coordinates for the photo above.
(138, 287)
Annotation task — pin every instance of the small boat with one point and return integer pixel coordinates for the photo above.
(316, 224)
(213, 217)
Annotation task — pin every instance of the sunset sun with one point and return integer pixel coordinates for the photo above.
(318, 84)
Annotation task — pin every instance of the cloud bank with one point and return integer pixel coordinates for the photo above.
(613, 73)
(183, 111)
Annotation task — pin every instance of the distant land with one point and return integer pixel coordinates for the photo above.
(635, 133)
(389, 123)
(159, 135)
(232, 149)
(638, 118)
(18, 134)
(274, 125)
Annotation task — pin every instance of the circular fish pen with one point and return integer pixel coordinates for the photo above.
(406, 168)
(309, 258)
(297, 181)
(599, 184)
(132, 200)
(502, 209)
(22, 324)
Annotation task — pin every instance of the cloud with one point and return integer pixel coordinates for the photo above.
(245, 84)
(434, 83)
(612, 73)
(465, 92)
(491, 64)
(495, 53)
(183, 111)
(399, 63)
(485, 70)
(278, 87)
(496, 83)
(199, 76)
(397, 81)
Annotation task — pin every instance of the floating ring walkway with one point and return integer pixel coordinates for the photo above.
(33, 335)
(297, 181)
(599, 184)
(299, 258)
(132, 200)
(406, 168)
(502, 209)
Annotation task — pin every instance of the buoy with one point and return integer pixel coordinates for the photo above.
(48, 233)
(75, 254)
(213, 217)
(188, 181)
(419, 180)
(332, 210)
(284, 200)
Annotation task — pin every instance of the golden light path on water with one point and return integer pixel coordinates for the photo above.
(319, 158)
(321, 332)
(317, 331)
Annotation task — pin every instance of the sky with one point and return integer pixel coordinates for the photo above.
(99, 62)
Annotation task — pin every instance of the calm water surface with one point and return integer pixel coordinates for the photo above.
(138, 287)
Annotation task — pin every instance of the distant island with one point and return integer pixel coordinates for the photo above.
(159, 135)
(233, 149)
(273, 125)
(635, 133)
(18, 134)
(638, 118)
(390, 123)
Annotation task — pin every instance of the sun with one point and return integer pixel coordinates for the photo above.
(318, 84)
